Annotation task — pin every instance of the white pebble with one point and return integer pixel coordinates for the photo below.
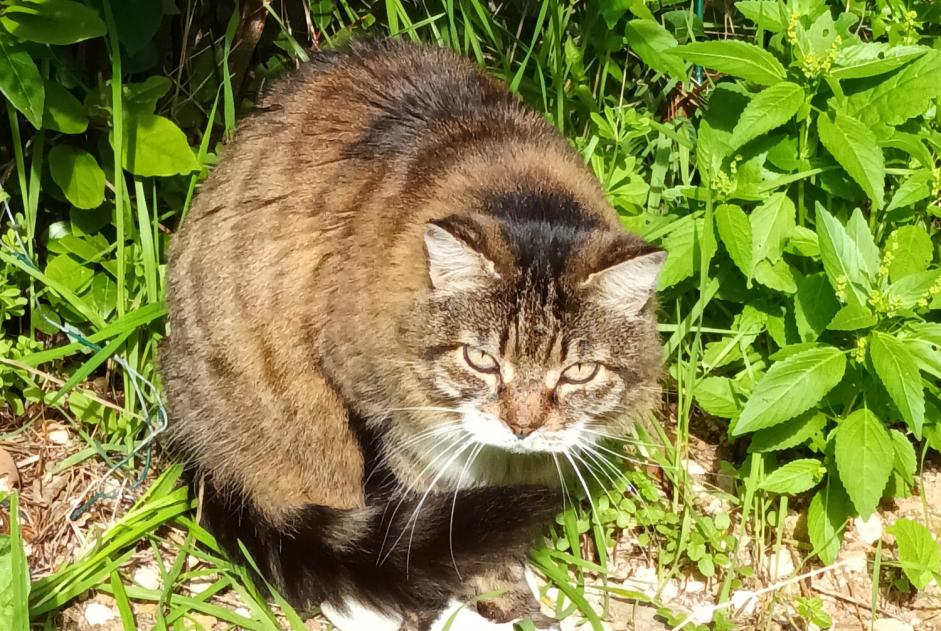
(97, 614)
(890, 624)
(147, 577)
(869, 530)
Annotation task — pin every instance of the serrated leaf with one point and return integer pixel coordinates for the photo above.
(919, 81)
(58, 22)
(771, 224)
(764, 13)
(735, 58)
(788, 434)
(803, 242)
(716, 396)
(648, 39)
(685, 245)
(912, 190)
(778, 276)
(906, 461)
(791, 387)
(864, 454)
(858, 231)
(66, 271)
(906, 292)
(77, 173)
(899, 373)
(919, 553)
(155, 146)
(854, 146)
(62, 111)
(769, 109)
(841, 259)
(20, 81)
(826, 517)
(911, 249)
(735, 233)
(872, 58)
(852, 318)
(796, 476)
(814, 306)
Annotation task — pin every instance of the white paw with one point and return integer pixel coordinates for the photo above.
(354, 616)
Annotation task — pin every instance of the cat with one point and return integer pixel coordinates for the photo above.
(401, 313)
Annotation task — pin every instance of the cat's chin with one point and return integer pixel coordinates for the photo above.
(492, 432)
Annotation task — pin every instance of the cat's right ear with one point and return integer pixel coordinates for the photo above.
(453, 263)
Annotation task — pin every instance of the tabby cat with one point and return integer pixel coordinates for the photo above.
(401, 316)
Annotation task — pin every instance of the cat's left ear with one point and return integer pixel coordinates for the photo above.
(455, 262)
(627, 286)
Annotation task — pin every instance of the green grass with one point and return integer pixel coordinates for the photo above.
(81, 288)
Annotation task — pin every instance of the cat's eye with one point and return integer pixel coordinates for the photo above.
(580, 373)
(480, 361)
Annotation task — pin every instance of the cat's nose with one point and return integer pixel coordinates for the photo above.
(523, 413)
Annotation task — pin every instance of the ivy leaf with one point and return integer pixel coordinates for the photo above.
(78, 175)
(864, 456)
(796, 476)
(63, 112)
(919, 81)
(871, 59)
(791, 387)
(899, 373)
(767, 14)
(771, 224)
(789, 433)
(919, 554)
(814, 306)
(911, 251)
(769, 109)
(735, 58)
(649, 39)
(826, 517)
(155, 146)
(841, 258)
(20, 81)
(58, 22)
(735, 232)
(854, 146)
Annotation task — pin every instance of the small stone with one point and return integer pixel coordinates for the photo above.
(692, 586)
(58, 436)
(869, 530)
(744, 601)
(243, 611)
(780, 564)
(856, 562)
(694, 468)
(891, 624)
(198, 587)
(702, 614)
(147, 577)
(97, 614)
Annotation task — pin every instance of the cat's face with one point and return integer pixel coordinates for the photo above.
(543, 347)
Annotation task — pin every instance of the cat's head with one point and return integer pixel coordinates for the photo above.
(538, 326)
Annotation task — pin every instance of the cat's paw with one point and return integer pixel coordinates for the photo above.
(354, 616)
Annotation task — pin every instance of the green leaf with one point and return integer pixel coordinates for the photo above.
(908, 291)
(791, 387)
(906, 461)
(648, 40)
(717, 396)
(767, 14)
(899, 373)
(864, 456)
(858, 231)
(63, 112)
(919, 554)
(814, 306)
(155, 146)
(735, 232)
(788, 434)
(796, 476)
(57, 22)
(14, 573)
(778, 276)
(771, 224)
(77, 173)
(911, 251)
(826, 518)
(141, 98)
(20, 81)
(919, 81)
(63, 269)
(685, 245)
(769, 109)
(852, 318)
(854, 146)
(912, 190)
(871, 59)
(841, 258)
(735, 58)
(803, 242)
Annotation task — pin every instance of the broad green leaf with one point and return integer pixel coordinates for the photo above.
(735, 58)
(919, 553)
(919, 81)
(711, 149)
(852, 318)
(20, 81)
(899, 374)
(854, 146)
(768, 14)
(803, 242)
(735, 233)
(77, 173)
(912, 144)
(912, 190)
(58, 22)
(771, 224)
(906, 461)
(797, 476)
(769, 109)
(864, 456)
(14, 573)
(791, 387)
(858, 231)
(911, 251)
(841, 258)
(685, 245)
(907, 292)
(872, 58)
(814, 306)
(717, 396)
(141, 98)
(778, 276)
(648, 39)
(788, 434)
(826, 517)
(63, 269)
(155, 146)
(63, 112)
